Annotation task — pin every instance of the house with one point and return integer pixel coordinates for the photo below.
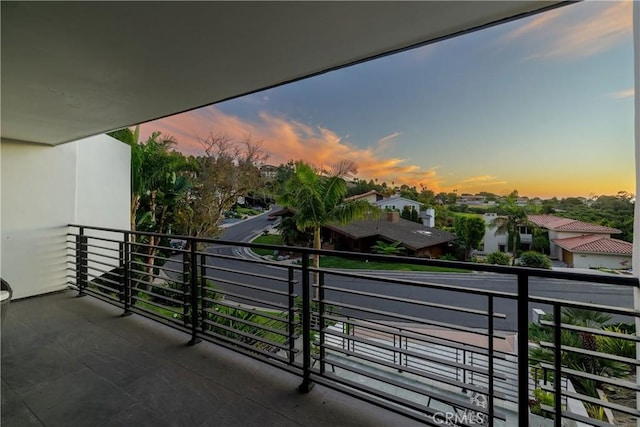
(577, 243)
(418, 239)
(595, 251)
(398, 203)
(370, 196)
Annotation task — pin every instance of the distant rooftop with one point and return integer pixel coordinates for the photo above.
(595, 244)
(412, 235)
(557, 223)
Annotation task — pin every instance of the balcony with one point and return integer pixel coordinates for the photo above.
(216, 334)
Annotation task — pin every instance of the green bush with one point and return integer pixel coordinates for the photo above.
(535, 260)
(448, 257)
(499, 258)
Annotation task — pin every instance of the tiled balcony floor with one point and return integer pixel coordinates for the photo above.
(70, 361)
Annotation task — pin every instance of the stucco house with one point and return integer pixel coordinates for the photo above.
(578, 244)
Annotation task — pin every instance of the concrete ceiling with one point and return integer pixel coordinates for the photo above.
(75, 69)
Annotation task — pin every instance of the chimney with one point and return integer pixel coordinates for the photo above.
(393, 216)
(429, 217)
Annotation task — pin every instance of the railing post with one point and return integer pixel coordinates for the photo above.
(81, 261)
(186, 274)
(307, 384)
(557, 364)
(523, 349)
(126, 276)
(491, 408)
(193, 281)
(292, 318)
(321, 320)
(203, 291)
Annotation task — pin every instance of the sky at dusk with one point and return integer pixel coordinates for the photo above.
(543, 105)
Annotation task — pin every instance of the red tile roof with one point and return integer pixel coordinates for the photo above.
(595, 244)
(557, 223)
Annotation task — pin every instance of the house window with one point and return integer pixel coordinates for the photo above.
(502, 248)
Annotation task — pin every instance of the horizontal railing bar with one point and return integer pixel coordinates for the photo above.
(581, 374)
(593, 331)
(258, 326)
(163, 297)
(573, 416)
(249, 260)
(420, 284)
(415, 302)
(596, 401)
(106, 248)
(155, 285)
(248, 273)
(93, 279)
(417, 372)
(454, 402)
(250, 310)
(256, 338)
(165, 269)
(247, 286)
(92, 267)
(102, 296)
(588, 306)
(448, 342)
(262, 302)
(412, 353)
(512, 271)
(155, 304)
(597, 354)
(101, 239)
(417, 320)
(252, 352)
(420, 336)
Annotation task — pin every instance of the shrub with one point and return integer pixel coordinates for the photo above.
(535, 259)
(499, 258)
(448, 257)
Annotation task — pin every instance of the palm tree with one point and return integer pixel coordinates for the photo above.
(514, 216)
(318, 199)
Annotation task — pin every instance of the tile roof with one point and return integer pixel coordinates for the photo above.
(557, 223)
(412, 235)
(368, 193)
(595, 244)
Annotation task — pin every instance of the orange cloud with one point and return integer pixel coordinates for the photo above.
(563, 38)
(288, 140)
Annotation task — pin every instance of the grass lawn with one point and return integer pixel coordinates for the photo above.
(270, 239)
(336, 262)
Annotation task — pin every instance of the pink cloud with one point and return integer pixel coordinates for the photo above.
(288, 140)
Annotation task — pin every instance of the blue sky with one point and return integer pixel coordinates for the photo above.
(543, 105)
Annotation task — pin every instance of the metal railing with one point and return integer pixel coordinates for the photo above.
(421, 345)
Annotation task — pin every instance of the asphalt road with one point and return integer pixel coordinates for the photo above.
(412, 295)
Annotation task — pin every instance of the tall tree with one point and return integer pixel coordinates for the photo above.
(469, 231)
(318, 199)
(228, 170)
(513, 216)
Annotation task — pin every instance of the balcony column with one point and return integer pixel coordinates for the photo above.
(636, 221)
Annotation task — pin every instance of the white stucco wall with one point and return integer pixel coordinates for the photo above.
(398, 203)
(581, 260)
(45, 188)
(491, 241)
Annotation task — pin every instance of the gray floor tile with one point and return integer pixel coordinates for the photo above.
(41, 364)
(137, 416)
(78, 399)
(14, 413)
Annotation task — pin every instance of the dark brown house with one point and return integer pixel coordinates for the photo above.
(359, 236)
